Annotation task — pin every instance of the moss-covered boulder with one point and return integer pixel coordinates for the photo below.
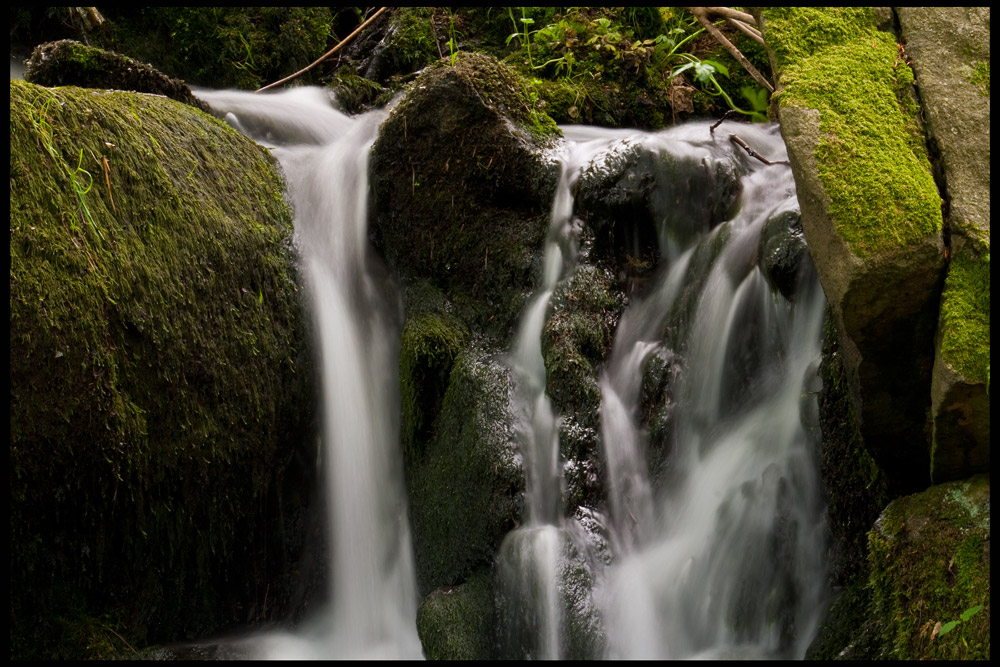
(457, 622)
(70, 63)
(949, 48)
(871, 214)
(925, 593)
(466, 482)
(160, 387)
(461, 187)
(930, 559)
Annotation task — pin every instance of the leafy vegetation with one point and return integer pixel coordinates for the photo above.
(641, 67)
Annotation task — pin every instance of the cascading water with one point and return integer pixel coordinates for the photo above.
(718, 554)
(727, 560)
(372, 598)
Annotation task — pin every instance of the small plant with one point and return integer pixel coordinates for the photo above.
(46, 134)
(247, 63)
(452, 42)
(951, 625)
(522, 32)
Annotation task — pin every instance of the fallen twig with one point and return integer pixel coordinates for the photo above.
(754, 154)
(725, 116)
(701, 13)
(747, 30)
(327, 54)
(726, 12)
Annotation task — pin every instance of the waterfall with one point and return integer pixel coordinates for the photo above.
(726, 559)
(718, 552)
(372, 598)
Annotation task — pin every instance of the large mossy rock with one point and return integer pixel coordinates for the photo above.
(871, 214)
(926, 591)
(461, 185)
(461, 188)
(159, 374)
(950, 52)
(930, 559)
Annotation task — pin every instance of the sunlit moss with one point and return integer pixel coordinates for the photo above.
(965, 316)
(871, 156)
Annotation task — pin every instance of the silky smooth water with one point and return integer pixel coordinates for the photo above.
(725, 558)
(717, 554)
(372, 605)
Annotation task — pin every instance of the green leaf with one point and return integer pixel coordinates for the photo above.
(719, 67)
(948, 627)
(703, 71)
(969, 613)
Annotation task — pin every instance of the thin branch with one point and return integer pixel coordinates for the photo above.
(728, 13)
(725, 116)
(754, 154)
(327, 54)
(120, 637)
(701, 13)
(747, 30)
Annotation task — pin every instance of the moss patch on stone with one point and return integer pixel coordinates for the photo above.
(156, 389)
(930, 559)
(965, 316)
(872, 157)
(430, 342)
(980, 78)
(456, 622)
(464, 486)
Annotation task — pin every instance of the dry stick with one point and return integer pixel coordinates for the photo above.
(325, 55)
(728, 114)
(700, 13)
(754, 154)
(747, 30)
(728, 13)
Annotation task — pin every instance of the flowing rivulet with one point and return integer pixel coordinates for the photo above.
(719, 552)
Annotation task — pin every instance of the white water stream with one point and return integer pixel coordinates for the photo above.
(372, 598)
(721, 556)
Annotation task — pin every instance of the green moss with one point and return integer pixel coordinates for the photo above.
(154, 327)
(456, 622)
(930, 563)
(430, 343)
(871, 156)
(413, 43)
(980, 78)
(576, 338)
(463, 488)
(223, 47)
(965, 316)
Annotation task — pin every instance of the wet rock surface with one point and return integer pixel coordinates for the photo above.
(70, 63)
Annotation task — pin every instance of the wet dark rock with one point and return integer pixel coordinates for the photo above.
(461, 185)
(782, 253)
(629, 193)
(70, 63)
